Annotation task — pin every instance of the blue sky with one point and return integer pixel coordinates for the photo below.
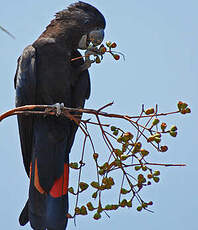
(160, 42)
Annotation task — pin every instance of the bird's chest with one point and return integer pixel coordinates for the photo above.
(54, 83)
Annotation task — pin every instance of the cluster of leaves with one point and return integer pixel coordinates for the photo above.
(128, 157)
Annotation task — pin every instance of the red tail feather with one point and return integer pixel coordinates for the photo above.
(60, 186)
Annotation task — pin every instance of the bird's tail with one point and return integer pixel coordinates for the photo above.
(46, 210)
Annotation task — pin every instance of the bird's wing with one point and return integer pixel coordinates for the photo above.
(25, 84)
(80, 92)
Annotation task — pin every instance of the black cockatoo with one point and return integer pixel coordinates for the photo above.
(46, 75)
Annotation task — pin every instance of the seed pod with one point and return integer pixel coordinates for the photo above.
(123, 203)
(140, 177)
(179, 105)
(124, 157)
(127, 136)
(150, 176)
(137, 147)
(118, 152)
(101, 172)
(173, 133)
(97, 216)
(173, 128)
(151, 138)
(150, 203)
(77, 210)
(139, 208)
(98, 60)
(116, 57)
(144, 168)
(149, 111)
(94, 195)
(182, 105)
(113, 45)
(90, 206)
(163, 126)
(156, 179)
(163, 148)
(111, 181)
(115, 206)
(118, 163)
(102, 187)
(129, 203)
(157, 134)
(124, 191)
(137, 168)
(155, 121)
(83, 210)
(71, 190)
(113, 128)
(108, 207)
(108, 43)
(107, 186)
(69, 216)
(119, 140)
(95, 184)
(157, 140)
(83, 186)
(115, 132)
(73, 165)
(156, 173)
(144, 152)
(105, 165)
(105, 180)
(95, 156)
(103, 50)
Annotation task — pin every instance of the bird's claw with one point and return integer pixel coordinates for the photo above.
(87, 64)
(90, 51)
(59, 107)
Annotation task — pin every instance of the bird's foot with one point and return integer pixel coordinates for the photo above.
(59, 107)
(90, 51)
(86, 65)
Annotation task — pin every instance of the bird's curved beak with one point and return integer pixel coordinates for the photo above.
(96, 37)
(83, 43)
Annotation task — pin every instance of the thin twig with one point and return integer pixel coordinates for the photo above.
(7, 32)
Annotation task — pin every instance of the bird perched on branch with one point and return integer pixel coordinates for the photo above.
(46, 75)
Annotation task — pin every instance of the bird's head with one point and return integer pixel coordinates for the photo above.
(80, 24)
(95, 37)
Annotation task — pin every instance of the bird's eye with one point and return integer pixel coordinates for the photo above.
(86, 21)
